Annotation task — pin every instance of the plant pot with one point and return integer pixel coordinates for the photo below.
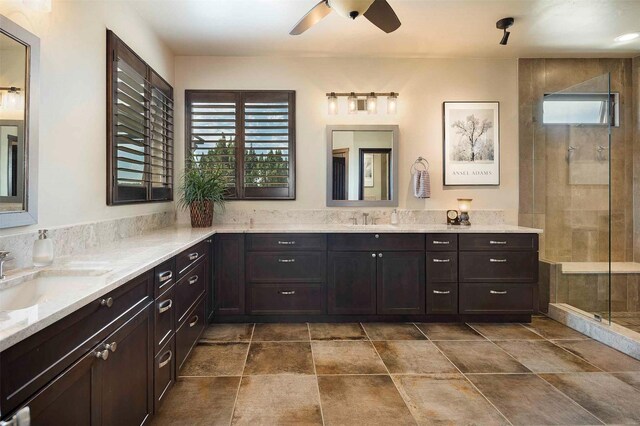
(201, 214)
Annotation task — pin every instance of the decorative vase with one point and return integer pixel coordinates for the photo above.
(201, 214)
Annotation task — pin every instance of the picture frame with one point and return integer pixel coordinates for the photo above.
(471, 143)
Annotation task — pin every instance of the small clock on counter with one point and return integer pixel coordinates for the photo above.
(453, 218)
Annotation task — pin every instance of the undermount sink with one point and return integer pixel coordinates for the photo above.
(376, 226)
(43, 288)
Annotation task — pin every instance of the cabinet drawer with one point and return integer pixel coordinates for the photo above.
(496, 298)
(189, 288)
(442, 266)
(286, 266)
(442, 298)
(164, 276)
(189, 333)
(502, 242)
(376, 242)
(283, 242)
(499, 266)
(442, 242)
(286, 299)
(164, 372)
(30, 364)
(189, 257)
(164, 313)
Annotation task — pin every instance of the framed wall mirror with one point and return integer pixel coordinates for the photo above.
(362, 166)
(19, 67)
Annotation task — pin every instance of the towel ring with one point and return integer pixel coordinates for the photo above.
(420, 162)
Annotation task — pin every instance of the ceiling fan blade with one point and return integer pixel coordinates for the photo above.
(312, 17)
(382, 16)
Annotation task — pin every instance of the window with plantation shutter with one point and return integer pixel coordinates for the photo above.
(249, 135)
(139, 129)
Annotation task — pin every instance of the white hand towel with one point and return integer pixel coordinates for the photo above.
(421, 184)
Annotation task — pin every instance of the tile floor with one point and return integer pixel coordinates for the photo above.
(397, 374)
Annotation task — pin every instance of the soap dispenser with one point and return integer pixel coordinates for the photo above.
(42, 249)
(394, 217)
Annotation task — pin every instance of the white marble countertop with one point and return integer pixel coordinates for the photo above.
(101, 270)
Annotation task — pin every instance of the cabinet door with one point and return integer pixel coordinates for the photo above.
(126, 376)
(352, 283)
(70, 398)
(401, 282)
(229, 274)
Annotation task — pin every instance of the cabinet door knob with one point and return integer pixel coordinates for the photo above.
(165, 306)
(379, 254)
(377, 235)
(373, 255)
(108, 302)
(113, 346)
(103, 355)
(164, 363)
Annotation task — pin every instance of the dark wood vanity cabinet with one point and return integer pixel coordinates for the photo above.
(229, 289)
(351, 286)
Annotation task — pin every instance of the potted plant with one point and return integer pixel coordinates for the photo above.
(203, 186)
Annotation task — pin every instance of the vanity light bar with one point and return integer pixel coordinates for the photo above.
(371, 101)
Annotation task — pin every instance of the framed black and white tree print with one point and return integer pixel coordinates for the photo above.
(471, 143)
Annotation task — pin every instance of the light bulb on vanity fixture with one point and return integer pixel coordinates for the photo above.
(392, 103)
(464, 204)
(352, 101)
(372, 103)
(333, 103)
(10, 99)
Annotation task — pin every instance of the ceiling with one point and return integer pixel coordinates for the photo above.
(430, 28)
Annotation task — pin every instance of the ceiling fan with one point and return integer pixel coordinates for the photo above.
(378, 12)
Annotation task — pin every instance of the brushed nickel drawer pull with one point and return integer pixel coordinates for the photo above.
(441, 242)
(287, 293)
(441, 292)
(166, 361)
(193, 280)
(165, 276)
(441, 260)
(493, 242)
(498, 260)
(286, 243)
(194, 256)
(194, 321)
(108, 302)
(165, 306)
(498, 292)
(286, 260)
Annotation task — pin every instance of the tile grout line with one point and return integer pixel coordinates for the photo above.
(389, 374)
(464, 375)
(535, 373)
(315, 373)
(235, 401)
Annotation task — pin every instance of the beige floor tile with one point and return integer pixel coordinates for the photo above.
(600, 355)
(480, 357)
(337, 331)
(392, 331)
(362, 400)
(216, 359)
(198, 401)
(552, 329)
(280, 332)
(339, 357)
(452, 331)
(279, 358)
(505, 332)
(526, 399)
(278, 400)
(446, 399)
(606, 397)
(541, 356)
(413, 357)
(227, 333)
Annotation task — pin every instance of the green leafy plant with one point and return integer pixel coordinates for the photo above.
(202, 181)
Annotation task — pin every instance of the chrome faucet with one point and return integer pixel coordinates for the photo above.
(3, 258)
(354, 220)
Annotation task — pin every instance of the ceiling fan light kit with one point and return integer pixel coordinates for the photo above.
(365, 101)
(378, 12)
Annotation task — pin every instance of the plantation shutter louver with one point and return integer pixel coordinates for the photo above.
(250, 135)
(139, 129)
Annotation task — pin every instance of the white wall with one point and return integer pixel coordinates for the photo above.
(72, 169)
(423, 85)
